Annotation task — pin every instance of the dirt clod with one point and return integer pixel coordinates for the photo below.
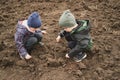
(49, 62)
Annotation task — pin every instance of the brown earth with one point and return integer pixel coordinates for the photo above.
(49, 62)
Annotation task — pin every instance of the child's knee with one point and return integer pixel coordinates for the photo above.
(31, 41)
(38, 36)
(34, 40)
(71, 44)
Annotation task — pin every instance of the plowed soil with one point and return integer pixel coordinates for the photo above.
(49, 62)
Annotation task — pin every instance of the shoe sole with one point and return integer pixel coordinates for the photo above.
(82, 58)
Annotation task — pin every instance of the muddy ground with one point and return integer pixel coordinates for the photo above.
(48, 61)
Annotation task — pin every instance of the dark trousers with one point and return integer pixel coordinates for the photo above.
(32, 40)
(78, 47)
(71, 44)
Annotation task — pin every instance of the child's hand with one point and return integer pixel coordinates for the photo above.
(28, 57)
(67, 56)
(44, 32)
(58, 39)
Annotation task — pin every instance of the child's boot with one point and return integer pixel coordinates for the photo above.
(80, 57)
(27, 56)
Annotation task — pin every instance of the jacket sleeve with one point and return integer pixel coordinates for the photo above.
(19, 43)
(62, 33)
(38, 31)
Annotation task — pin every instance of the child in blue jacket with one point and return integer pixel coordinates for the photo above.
(27, 34)
(77, 33)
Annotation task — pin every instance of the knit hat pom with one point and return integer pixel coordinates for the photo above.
(34, 20)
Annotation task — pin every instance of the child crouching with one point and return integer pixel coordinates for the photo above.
(76, 32)
(28, 34)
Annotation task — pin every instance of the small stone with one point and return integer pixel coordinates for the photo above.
(79, 73)
(82, 65)
(99, 70)
(21, 63)
(109, 72)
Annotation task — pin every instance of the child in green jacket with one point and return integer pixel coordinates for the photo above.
(76, 32)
